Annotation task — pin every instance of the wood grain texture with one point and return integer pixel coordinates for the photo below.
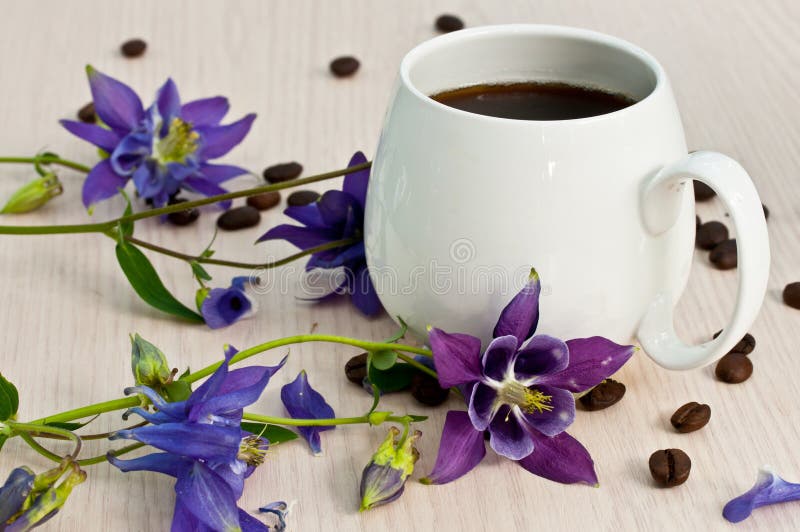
(67, 309)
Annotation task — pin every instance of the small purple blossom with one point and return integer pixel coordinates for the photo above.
(520, 389)
(304, 402)
(163, 149)
(203, 447)
(222, 307)
(337, 215)
(768, 489)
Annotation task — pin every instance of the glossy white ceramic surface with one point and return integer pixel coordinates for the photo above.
(461, 206)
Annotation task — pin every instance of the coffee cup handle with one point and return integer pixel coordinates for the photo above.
(733, 185)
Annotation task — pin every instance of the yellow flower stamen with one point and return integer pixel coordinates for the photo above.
(180, 142)
(252, 451)
(530, 400)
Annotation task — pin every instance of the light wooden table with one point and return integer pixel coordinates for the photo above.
(67, 310)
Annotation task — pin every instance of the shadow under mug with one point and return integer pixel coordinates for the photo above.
(461, 205)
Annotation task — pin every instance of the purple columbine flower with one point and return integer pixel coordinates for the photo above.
(304, 402)
(204, 447)
(222, 307)
(163, 149)
(768, 489)
(520, 390)
(337, 215)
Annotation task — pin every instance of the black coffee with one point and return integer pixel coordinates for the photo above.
(534, 100)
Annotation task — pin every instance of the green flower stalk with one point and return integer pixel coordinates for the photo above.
(34, 194)
(384, 478)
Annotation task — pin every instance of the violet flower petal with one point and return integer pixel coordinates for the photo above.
(206, 111)
(195, 440)
(206, 187)
(14, 492)
(169, 104)
(301, 237)
(509, 436)
(208, 497)
(219, 173)
(520, 317)
(114, 102)
(219, 140)
(499, 357)
(225, 306)
(165, 463)
(308, 215)
(483, 405)
(101, 183)
(334, 207)
(304, 402)
(768, 489)
(558, 418)
(542, 355)
(457, 357)
(356, 183)
(460, 450)
(103, 138)
(590, 361)
(248, 523)
(560, 458)
(363, 293)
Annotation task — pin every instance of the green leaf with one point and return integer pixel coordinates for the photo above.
(70, 425)
(199, 271)
(383, 359)
(9, 399)
(126, 228)
(417, 418)
(178, 391)
(145, 281)
(376, 398)
(3, 439)
(394, 379)
(400, 333)
(273, 433)
(185, 373)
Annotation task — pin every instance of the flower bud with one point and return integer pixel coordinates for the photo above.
(148, 363)
(34, 194)
(42, 505)
(14, 493)
(384, 478)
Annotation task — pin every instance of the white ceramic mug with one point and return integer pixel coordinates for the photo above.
(602, 207)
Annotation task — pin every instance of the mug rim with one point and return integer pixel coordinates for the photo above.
(430, 45)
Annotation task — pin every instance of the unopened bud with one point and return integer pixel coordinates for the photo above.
(384, 478)
(33, 194)
(148, 363)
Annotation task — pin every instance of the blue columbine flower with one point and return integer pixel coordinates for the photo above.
(337, 215)
(768, 489)
(163, 149)
(224, 306)
(304, 402)
(520, 390)
(204, 447)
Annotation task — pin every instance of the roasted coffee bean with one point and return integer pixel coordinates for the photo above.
(745, 345)
(239, 218)
(697, 222)
(703, 192)
(427, 391)
(302, 197)
(691, 417)
(87, 114)
(710, 234)
(264, 201)
(344, 66)
(766, 211)
(278, 173)
(356, 369)
(734, 368)
(448, 23)
(182, 217)
(670, 467)
(791, 295)
(605, 394)
(133, 48)
(723, 256)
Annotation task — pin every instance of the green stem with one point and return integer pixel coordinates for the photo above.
(29, 430)
(422, 367)
(243, 265)
(104, 457)
(47, 159)
(103, 227)
(291, 422)
(129, 402)
(39, 448)
(304, 338)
